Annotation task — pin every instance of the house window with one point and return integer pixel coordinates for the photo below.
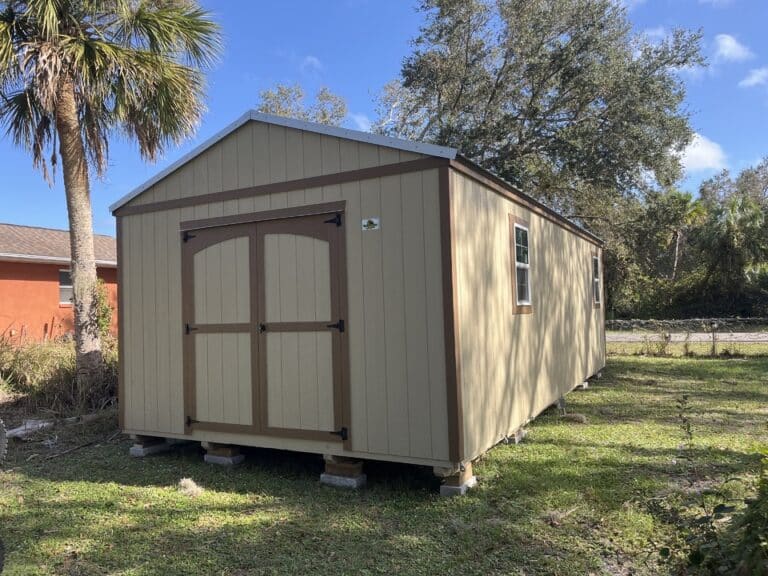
(596, 280)
(522, 265)
(65, 287)
(521, 271)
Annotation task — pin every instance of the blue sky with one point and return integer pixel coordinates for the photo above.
(356, 46)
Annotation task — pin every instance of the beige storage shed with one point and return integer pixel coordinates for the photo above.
(298, 286)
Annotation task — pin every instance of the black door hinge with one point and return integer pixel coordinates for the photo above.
(189, 328)
(262, 328)
(337, 326)
(187, 236)
(335, 220)
(343, 433)
(190, 421)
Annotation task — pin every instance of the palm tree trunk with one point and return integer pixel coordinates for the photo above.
(678, 234)
(89, 360)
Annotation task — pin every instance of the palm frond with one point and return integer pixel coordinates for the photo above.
(28, 127)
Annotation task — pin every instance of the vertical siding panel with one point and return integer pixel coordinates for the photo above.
(349, 152)
(308, 379)
(416, 299)
(245, 385)
(291, 378)
(275, 380)
(331, 153)
(375, 322)
(176, 369)
(230, 380)
(313, 158)
(162, 382)
(149, 321)
(356, 340)
(277, 164)
(368, 156)
(213, 159)
(132, 227)
(434, 312)
(395, 335)
(324, 371)
(245, 165)
(388, 155)
(213, 284)
(262, 173)
(229, 171)
(202, 382)
(294, 154)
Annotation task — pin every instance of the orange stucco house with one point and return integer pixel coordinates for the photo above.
(35, 285)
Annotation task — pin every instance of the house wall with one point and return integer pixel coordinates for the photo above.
(29, 301)
(513, 366)
(395, 324)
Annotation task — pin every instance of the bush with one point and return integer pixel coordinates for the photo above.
(44, 374)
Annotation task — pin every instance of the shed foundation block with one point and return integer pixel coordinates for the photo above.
(343, 472)
(146, 445)
(583, 386)
(222, 454)
(457, 483)
(519, 435)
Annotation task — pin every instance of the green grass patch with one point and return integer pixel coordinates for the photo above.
(723, 350)
(619, 494)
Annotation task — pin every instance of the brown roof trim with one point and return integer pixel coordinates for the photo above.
(504, 188)
(288, 186)
(276, 214)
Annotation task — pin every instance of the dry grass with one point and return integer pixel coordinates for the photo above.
(43, 375)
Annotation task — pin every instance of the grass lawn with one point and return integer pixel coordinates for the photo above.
(597, 498)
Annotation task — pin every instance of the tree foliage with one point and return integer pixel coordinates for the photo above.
(75, 73)
(556, 96)
(288, 100)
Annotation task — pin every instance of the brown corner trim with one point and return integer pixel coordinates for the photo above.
(120, 327)
(451, 320)
(508, 191)
(277, 214)
(288, 186)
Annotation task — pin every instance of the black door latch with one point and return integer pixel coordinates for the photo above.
(337, 326)
(343, 433)
(188, 328)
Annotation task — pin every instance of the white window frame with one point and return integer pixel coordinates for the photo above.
(522, 265)
(596, 281)
(70, 286)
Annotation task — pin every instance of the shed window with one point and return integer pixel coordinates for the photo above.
(65, 287)
(522, 266)
(596, 280)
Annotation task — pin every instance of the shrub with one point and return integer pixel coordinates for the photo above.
(44, 374)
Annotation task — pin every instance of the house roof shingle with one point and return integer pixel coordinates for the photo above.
(46, 244)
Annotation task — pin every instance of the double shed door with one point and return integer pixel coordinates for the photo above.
(264, 328)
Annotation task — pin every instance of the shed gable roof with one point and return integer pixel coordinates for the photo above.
(252, 115)
(28, 243)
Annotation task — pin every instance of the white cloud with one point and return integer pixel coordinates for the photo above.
(729, 49)
(655, 34)
(702, 155)
(311, 64)
(756, 77)
(362, 122)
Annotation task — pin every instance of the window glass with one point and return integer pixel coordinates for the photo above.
(596, 279)
(522, 266)
(522, 285)
(65, 287)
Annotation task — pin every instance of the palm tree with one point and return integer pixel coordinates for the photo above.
(77, 72)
